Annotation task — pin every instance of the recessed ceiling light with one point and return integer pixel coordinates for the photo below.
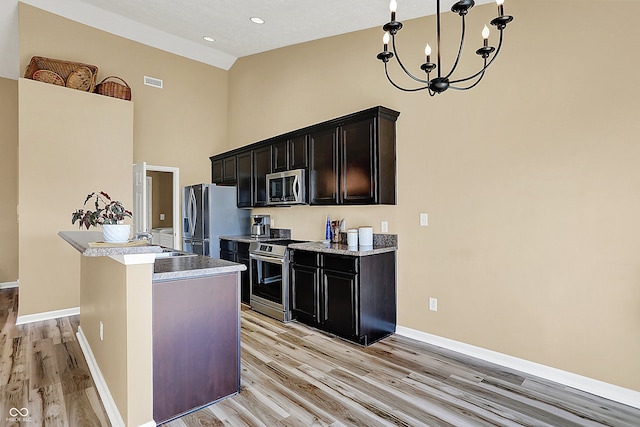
(209, 39)
(257, 20)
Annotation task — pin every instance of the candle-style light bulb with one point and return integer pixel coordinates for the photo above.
(485, 35)
(427, 52)
(393, 7)
(385, 41)
(500, 4)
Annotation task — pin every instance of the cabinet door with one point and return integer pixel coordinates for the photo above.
(358, 177)
(229, 169)
(242, 257)
(261, 167)
(280, 152)
(244, 165)
(339, 303)
(217, 175)
(323, 167)
(298, 153)
(305, 293)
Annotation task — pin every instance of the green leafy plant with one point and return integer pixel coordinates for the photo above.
(106, 211)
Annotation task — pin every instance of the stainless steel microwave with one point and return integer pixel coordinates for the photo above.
(286, 188)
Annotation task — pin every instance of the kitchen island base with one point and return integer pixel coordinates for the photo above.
(196, 337)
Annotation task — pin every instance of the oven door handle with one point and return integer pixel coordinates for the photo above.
(266, 259)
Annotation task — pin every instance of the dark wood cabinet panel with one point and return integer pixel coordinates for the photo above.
(244, 167)
(358, 159)
(217, 174)
(280, 152)
(229, 169)
(234, 251)
(196, 339)
(298, 153)
(304, 293)
(261, 167)
(323, 167)
(339, 303)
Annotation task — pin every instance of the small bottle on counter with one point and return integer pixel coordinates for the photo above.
(327, 229)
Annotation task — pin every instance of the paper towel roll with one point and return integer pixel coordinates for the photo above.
(365, 236)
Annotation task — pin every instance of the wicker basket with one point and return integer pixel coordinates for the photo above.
(114, 89)
(63, 69)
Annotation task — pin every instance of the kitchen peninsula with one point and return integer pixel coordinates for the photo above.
(161, 335)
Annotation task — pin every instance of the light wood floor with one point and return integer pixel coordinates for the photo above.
(296, 376)
(42, 369)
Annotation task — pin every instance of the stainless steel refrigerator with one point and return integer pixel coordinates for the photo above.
(209, 211)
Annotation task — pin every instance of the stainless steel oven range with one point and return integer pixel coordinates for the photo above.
(269, 270)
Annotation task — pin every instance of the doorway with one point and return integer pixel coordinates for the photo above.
(157, 206)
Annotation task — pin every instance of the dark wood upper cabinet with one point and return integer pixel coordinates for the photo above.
(298, 153)
(359, 177)
(323, 167)
(280, 153)
(217, 174)
(350, 160)
(261, 167)
(244, 167)
(223, 170)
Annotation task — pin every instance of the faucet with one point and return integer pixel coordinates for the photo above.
(143, 235)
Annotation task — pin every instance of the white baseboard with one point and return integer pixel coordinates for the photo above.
(103, 390)
(590, 385)
(48, 315)
(8, 285)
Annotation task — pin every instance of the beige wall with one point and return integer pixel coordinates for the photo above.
(530, 180)
(8, 180)
(120, 296)
(66, 152)
(178, 126)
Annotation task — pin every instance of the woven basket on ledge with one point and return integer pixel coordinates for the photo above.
(84, 77)
(114, 89)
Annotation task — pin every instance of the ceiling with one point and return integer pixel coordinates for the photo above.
(178, 26)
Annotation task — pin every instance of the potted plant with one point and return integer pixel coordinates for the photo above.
(108, 213)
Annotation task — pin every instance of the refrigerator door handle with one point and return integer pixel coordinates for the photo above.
(192, 213)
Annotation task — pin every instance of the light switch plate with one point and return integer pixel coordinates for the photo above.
(384, 226)
(424, 220)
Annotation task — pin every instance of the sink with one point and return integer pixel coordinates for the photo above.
(171, 253)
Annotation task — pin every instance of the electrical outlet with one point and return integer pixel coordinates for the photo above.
(384, 226)
(161, 217)
(424, 220)
(101, 331)
(433, 304)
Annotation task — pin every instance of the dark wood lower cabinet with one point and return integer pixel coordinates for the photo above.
(235, 251)
(196, 343)
(340, 303)
(349, 296)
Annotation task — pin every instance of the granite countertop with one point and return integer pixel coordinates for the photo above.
(343, 249)
(185, 267)
(170, 268)
(81, 240)
(248, 239)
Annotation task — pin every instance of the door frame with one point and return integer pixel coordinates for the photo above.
(177, 231)
(177, 214)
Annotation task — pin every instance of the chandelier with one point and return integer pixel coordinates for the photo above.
(443, 81)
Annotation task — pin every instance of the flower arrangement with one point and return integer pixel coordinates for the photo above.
(106, 211)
